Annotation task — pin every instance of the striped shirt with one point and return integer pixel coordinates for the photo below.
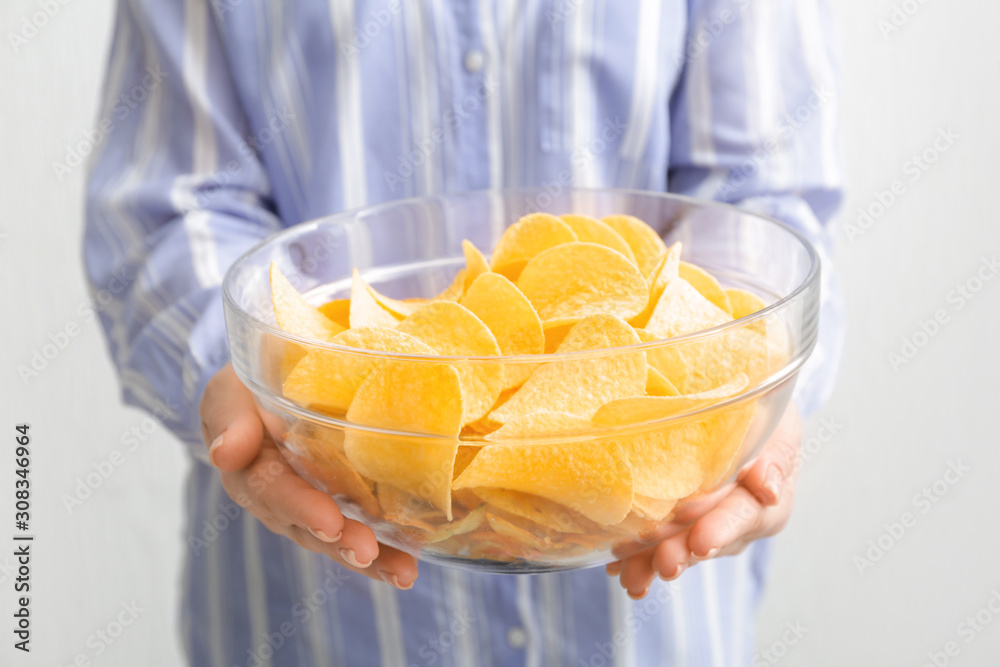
(225, 121)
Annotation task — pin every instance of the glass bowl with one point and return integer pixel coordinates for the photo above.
(541, 503)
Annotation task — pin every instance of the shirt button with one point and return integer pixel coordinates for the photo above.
(474, 61)
(517, 637)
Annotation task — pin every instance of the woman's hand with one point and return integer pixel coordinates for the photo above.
(257, 477)
(757, 505)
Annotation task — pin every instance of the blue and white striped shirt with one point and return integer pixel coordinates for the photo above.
(228, 120)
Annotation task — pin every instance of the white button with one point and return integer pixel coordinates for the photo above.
(517, 637)
(474, 61)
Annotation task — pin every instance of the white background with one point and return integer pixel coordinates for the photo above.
(896, 431)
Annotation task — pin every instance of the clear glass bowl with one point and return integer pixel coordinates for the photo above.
(399, 482)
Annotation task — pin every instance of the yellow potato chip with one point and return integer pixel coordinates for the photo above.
(666, 463)
(729, 429)
(454, 291)
(526, 238)
(555, 335)
(415, 397)
(592, 478)
(542, 511)
(512, 319)
(706, 283)
(453, 330)
(640, 409)
(573, 280)
(716, 360)
(466, 524)
(666, 269)
(658, 385)
(591, 230)
(580, 386)
(681, 309)
(475, 264)
(744, 303)
(520, 537)
(654, 509)
(539, 424)
(332, 471)
(294, 314)
(405, 509)
(667, 359)
(646, 244)
(327, 380)
(338, 310)
(366, 311)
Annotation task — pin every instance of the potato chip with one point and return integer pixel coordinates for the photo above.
(743, 350)
(542, 511)
(729, 430)
(520, 536)
(667, 359)
(327, 380)
(454, 291)
(646, 244)
(415, 397)
(654, 509)
(466, 524)
(666, 269)
(681, 309)
(591, 478)
(667, 463)
(539, 424)
(658, 385)
(366, 311)
(640, 409)
(526, 238)
(453, 330)
(331, 470)
(512, 319)
(591, 230)
(744, 303)
(475, 264)
(707, 285)
(405, 509)
(556, 334)
(580, 386)
(338, 310)
(296, 315)
(574, 280)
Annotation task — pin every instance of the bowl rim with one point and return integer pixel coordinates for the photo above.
(343, 217)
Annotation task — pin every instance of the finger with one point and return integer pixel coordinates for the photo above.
(637, 574)
(277, 490)
(395, 567)
(671, 557)
(230, 421)
(736, 519)
(614, 568)
(777, 460)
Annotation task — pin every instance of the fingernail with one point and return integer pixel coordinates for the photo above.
(614, 569)
(215, 446)
(772, 481)
(348, 555)
(712, 553)
(320, 535)
(639, 596)
(677, 573)
(390, 578)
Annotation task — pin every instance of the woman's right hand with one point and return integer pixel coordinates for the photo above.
(257, 477)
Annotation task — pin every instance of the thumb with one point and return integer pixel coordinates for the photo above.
(230, 422)
(777, 461)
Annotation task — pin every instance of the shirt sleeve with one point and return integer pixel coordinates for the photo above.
(175, 193)
(755, 124)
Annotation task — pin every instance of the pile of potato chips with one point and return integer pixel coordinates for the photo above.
(472, 444)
